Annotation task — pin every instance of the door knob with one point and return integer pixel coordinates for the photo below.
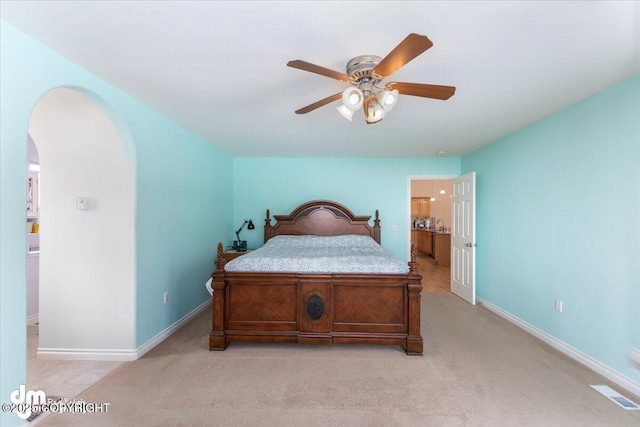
(470, 245)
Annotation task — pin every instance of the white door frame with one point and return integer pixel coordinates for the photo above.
(419, 178)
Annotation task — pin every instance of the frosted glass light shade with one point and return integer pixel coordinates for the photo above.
(373, 111)
(346, 113)
(388, 99)
(352, 98)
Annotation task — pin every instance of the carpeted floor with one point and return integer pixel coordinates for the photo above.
(477, 370)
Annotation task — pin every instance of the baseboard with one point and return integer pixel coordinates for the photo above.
(33, 319)
(149, 345)
(102, 355)
(122, 355)
(614, 376)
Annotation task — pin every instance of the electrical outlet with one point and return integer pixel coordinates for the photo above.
(166, 297)
(394, 227)
(559, 305)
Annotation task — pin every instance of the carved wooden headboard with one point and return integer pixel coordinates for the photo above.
(322, 218)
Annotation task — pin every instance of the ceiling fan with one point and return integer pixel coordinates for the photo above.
(365, 73)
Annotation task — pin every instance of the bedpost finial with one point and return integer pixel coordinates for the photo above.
(220, 262)
(267, 221)
(376, 222)
(413, 263)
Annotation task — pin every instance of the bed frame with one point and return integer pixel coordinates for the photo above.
(314, 308)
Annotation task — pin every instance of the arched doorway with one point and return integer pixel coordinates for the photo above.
(87, 228)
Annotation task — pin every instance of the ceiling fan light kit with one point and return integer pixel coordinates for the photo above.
(366, 72)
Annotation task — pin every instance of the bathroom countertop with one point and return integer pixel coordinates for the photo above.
(431, 231)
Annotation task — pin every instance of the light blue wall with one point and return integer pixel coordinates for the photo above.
(558, 216)
(361, 184)
(184, 207)
(183, 202)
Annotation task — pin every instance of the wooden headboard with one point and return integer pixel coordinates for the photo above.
(322, 218)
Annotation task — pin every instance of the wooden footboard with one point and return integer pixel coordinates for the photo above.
(316, 308)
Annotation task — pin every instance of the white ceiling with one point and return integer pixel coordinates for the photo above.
(219, 69)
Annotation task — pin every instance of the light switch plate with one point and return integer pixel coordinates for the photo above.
(81, 203)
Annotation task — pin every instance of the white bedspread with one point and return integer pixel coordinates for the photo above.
(319, 254)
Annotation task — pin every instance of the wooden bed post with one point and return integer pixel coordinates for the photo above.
(414, 340)
(267, 227)
(376, 228)
(217, 337)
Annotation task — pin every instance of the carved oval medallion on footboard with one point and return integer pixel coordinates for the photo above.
(314, 307)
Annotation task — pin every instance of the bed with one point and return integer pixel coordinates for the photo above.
(353, 304)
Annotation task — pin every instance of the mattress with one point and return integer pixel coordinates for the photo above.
(319, 254)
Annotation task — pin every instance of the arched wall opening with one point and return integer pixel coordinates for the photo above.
(87, 228)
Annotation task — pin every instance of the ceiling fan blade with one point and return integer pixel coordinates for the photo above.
(312, 68)
(412, 46)
(424, 90)
(319, 104)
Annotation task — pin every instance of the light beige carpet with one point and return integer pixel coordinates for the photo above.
(477, 370)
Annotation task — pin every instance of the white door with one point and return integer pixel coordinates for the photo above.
(463, 237)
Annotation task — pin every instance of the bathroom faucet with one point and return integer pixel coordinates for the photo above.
(441, 228)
